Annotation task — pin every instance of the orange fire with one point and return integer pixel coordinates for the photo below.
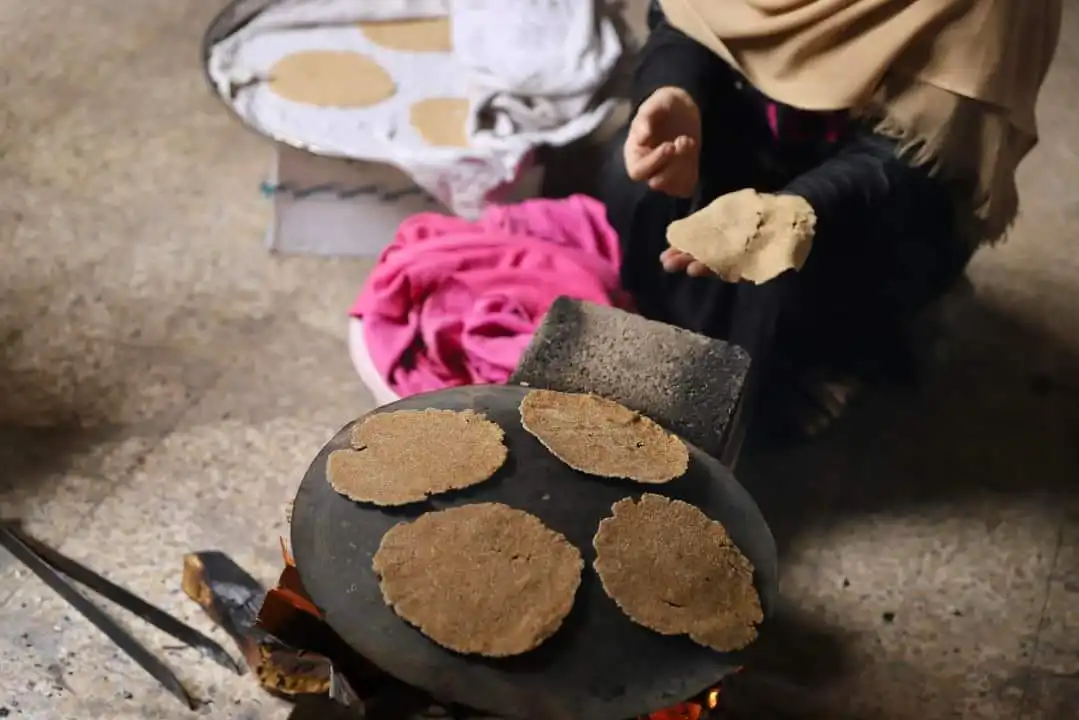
(685, 711)
(689, 710)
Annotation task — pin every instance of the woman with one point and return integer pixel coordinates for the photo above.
(900, 122)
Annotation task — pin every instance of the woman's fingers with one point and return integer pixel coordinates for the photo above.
(675, 179)
(698, 269)
(676, 182)
(684, 145)
(679, 176)
(642, 164)
(677, 261)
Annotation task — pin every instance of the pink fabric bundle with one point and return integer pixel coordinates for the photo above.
(453, 302)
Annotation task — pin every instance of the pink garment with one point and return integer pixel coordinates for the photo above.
(453, 302)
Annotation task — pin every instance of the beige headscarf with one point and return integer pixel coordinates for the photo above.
(954, 81)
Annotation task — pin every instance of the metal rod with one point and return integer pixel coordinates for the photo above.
(130, 602)
(11, 541)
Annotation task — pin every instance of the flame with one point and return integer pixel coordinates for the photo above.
(285, 554)
(688, 710)
(684, 711)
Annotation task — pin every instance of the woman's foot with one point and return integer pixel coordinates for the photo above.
(806, 406)
(819, 400)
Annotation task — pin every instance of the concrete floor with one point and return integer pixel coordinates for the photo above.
(164, 382)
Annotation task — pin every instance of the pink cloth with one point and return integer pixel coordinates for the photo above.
(453, 302)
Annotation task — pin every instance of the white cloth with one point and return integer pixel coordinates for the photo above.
(535, 66)
(532, 66)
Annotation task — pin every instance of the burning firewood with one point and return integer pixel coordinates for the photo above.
(233, 599)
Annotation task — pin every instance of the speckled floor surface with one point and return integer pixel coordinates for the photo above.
(164, 381)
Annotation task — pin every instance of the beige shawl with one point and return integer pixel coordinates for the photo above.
(954, 81)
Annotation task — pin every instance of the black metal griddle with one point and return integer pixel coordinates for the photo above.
(599, 665)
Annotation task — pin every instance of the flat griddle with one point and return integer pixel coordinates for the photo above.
(599, 665)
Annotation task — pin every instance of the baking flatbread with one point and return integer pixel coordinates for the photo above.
(417, 35)
(748, 236)
(600, 437)
(673, 570)
(331, 78)
(442, 122)
(481, 579)
(406, 456)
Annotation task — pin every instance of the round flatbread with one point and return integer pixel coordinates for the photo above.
(406, 456)
(677, 572)
(601, 437)
(417, 35)
(746, 235)
(331, 78)
(442, 122)
(482, 579)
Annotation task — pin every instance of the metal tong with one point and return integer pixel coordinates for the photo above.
(56, 571)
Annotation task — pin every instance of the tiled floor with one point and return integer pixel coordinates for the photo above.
(164, 382)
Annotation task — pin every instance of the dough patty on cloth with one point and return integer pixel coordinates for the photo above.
(673, 570)
(442, 122)
(416, 35)
(601, 437)
(406, 456)
(331, 78)
(479, 579)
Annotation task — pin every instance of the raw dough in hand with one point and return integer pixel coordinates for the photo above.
(418, 35)
(484, 579)
(600, 437)
(677, 572)
(442, 122)
(406, 456)
(331, 78)
(748, 236)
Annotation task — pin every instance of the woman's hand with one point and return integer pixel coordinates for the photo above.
(663, 144)
(676, 261)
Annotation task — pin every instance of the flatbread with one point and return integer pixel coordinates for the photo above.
(601, 437)
(482, 579)
(417, 35)
(406, 456)
(748, 236)
(442, 122)
(331, 78)
(673, 570)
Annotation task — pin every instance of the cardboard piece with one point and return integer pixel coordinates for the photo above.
(348, 208)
